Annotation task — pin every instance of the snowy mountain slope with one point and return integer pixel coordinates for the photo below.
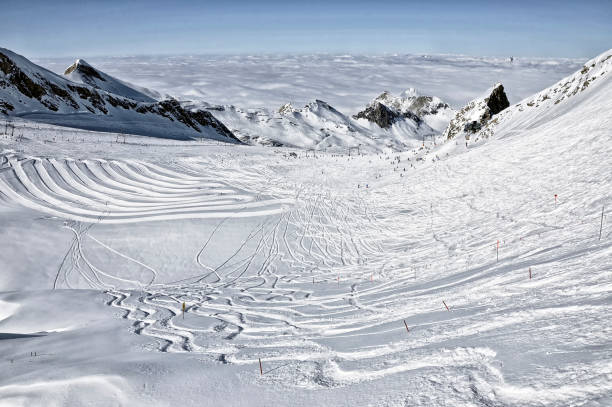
(318, 126)
(462, 281)
(476, 114)
(582, 100)
(430, 109)
(82, 72)
(27, 90)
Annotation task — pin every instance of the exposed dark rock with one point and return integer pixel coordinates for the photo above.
(144, 109)
(379, 114)
(481, 109)
(49, 105)
(53, 94)
(412, 116)
(121, 102)
(91, 95)
(5, 107)
(62, 93)
(424, 105)
(204, 118)
(472, 127)
(498, 100)
(17, 77)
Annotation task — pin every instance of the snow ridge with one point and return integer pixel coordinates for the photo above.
(32, 92)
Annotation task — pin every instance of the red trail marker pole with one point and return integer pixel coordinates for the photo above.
(260, 368)
(448, 309)
(407, 330)
(555, 199)
(530, 273)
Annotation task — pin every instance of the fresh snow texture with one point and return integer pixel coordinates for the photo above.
(476, 276)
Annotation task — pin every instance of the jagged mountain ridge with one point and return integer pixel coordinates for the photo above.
(82, 72)
(409, 104)
(319, 126)
(30, 91)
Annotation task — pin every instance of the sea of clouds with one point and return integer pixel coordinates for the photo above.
(347, 82)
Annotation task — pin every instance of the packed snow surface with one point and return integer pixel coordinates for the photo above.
(447, 274)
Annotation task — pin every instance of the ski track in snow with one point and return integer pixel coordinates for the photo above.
(320, 286)
(103, 191)
(332, 285)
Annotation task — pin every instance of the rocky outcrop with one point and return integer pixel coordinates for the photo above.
(497, 100)
(473, 117)
(379, 114)
(287, 108)
(412, 106)
(5, 107)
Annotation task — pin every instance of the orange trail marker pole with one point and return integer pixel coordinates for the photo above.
(407, 330)
(448, 309)
(183, 310)
(260, 368)
(530, 273)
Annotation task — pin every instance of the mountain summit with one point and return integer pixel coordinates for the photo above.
(411, 105)
(82, 72)
(92, 100)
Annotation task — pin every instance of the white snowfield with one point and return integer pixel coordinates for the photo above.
(447, 275)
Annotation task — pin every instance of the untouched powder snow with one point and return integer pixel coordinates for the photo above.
(476, 276)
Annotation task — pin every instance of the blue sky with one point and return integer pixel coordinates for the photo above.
(495, 28)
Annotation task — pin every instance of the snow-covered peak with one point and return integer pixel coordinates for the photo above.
(410, 93)
(430, 109)
(82, 63)
(82, 72)
(89, 99)
(318, 105)
(287, 108)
